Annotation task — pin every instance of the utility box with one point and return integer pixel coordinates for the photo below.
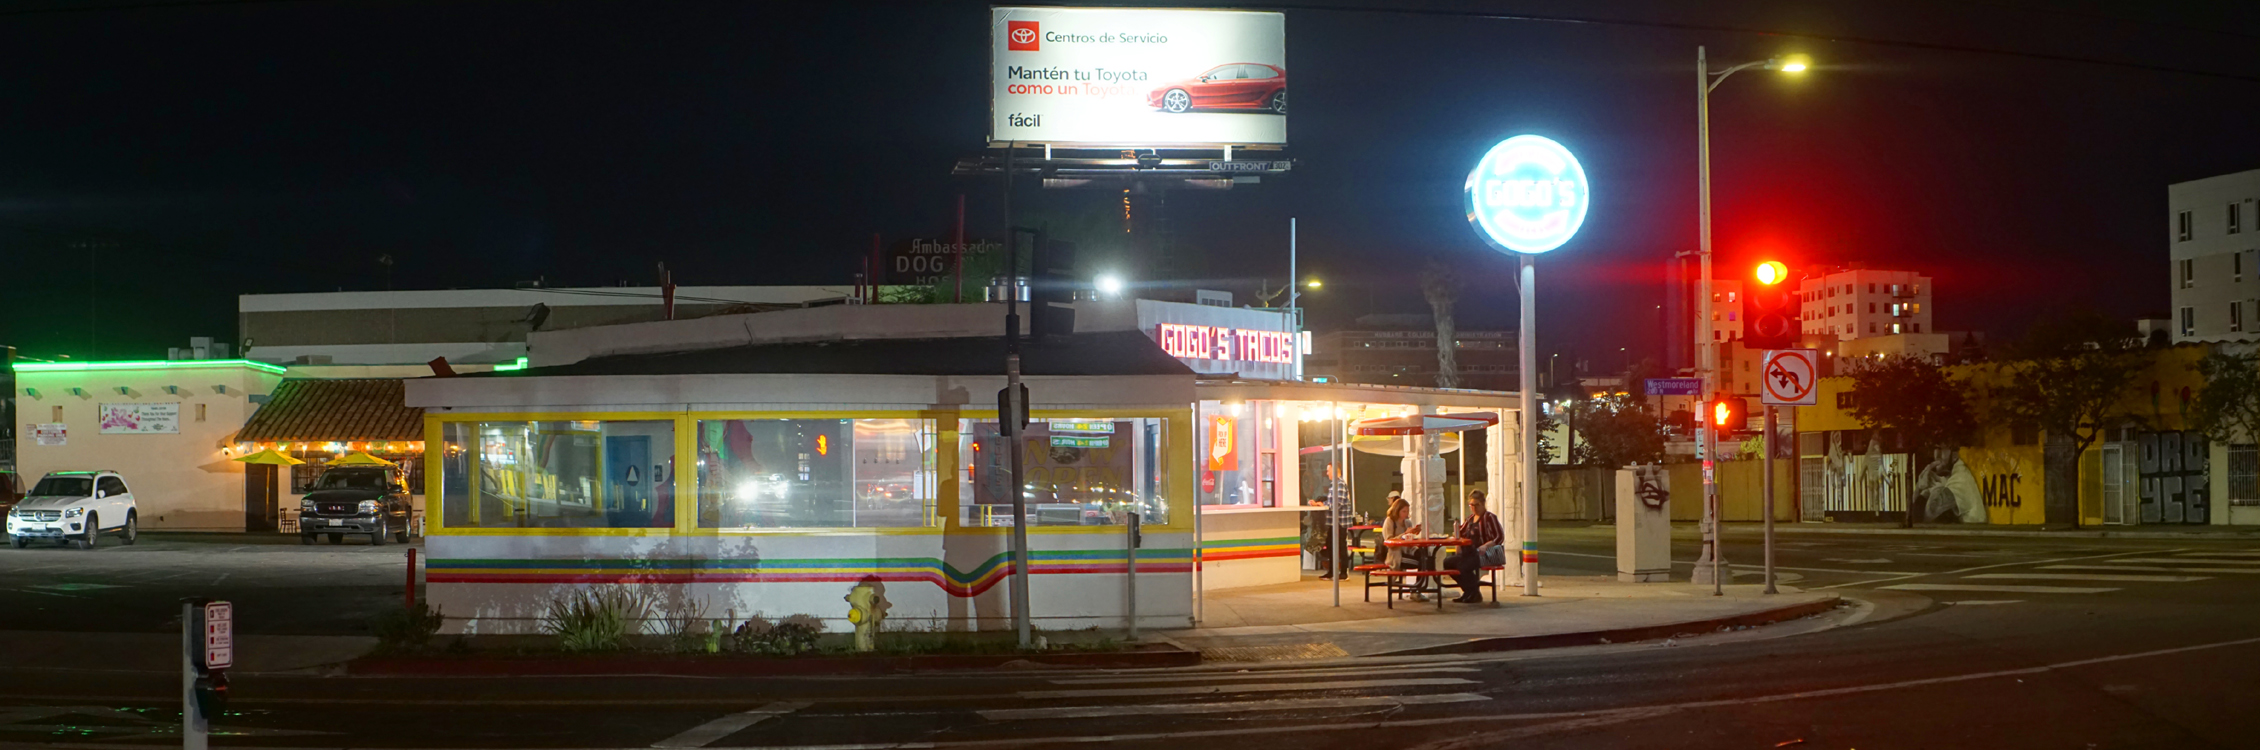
(1644, 524)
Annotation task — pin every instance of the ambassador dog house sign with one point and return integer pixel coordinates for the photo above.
(1527, 195)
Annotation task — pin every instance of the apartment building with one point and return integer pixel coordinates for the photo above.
(1855, 302)
(2212, 247)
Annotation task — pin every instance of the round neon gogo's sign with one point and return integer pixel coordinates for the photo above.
(1527, 195)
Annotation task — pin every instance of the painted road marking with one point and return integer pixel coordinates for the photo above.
(1906, 576)
(1172, 709)
(1563, 717)
(705, 734)
(1997, 589)
(1987, 601)
(2093, 577)
(2187, 561)
(1269, 687)
(2152, 569)
(2221, 554)
(1258, 675)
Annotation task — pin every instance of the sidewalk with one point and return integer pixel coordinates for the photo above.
(2159, 531)
(1298, 620)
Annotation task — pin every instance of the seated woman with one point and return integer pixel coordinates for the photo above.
(1398, 525)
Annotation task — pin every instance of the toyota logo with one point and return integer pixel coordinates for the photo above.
(1023, 36)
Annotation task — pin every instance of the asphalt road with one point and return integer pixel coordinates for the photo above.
(278, 586)
(1964, 642)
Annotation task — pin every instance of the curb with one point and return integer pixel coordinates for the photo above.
(2031, 534)
(1149, 656)
(1625, 635)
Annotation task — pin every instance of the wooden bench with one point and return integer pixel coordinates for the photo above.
(1397, 586)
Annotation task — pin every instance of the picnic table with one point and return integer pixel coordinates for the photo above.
(1434, 570)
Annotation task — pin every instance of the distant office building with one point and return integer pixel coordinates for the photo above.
(1401, 350)
(2212, 248)
(471, 326)
(1855, 302)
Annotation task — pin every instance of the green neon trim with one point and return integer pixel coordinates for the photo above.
(521, 364)
(161, 364)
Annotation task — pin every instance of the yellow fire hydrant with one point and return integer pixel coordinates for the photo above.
(867, 609)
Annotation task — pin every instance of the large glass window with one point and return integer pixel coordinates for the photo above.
(578, 474)
(816, 473)
(1074, 472)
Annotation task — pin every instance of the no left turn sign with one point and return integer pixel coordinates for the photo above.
(1790, 377)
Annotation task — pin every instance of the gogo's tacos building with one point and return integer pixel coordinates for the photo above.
(766, 463)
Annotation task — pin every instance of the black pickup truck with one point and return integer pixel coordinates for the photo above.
(356, 500)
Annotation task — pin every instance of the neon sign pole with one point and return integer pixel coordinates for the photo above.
(1525, 197)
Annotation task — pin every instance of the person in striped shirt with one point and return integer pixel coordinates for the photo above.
(1487, 545)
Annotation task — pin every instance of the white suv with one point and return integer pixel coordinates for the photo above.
(76, 506)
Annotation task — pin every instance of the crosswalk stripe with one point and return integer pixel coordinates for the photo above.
(1269, 687)
(1175, 709)
(2219, 554)
(1998, 589)
(705, 734)
(2152, 569)
(2100, 577)
(1273, 674)
(1987, 601)
(2184, 561)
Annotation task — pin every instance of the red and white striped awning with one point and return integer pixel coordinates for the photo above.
(1424, 424)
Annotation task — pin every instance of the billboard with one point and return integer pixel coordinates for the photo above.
(1137, 77)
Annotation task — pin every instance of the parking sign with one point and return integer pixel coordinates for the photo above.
(1790, 377)
(219, 635)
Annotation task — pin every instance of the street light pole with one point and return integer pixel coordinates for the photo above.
(1706, 347)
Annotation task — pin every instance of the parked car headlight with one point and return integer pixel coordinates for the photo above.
(71, 512)
(305, 505)
(368, 506)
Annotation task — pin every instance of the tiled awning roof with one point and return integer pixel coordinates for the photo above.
(315, 409)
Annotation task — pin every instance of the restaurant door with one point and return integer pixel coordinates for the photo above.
(260, 507)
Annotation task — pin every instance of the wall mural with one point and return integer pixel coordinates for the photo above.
(1946, 491)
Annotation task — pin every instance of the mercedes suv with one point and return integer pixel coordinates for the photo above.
(357, 500)
(76, 507)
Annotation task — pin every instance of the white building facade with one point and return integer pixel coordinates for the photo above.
(2212, 246)
(1861, 302)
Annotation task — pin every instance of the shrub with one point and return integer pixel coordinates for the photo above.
(796, 634)
(595, 619)
(407, 629)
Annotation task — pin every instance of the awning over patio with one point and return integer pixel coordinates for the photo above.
(311, 410)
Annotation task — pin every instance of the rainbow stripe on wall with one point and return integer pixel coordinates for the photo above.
(1249, 549)
(889, 569)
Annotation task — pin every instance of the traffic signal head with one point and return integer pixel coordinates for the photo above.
(1729, 413)
(1769, 309)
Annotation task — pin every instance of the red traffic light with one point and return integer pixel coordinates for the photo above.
(1771, 272)
(1769, 309)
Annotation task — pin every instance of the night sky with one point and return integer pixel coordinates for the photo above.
(157, 161)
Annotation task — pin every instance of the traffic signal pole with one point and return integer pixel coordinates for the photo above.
(1711, 507)
(1767, 505)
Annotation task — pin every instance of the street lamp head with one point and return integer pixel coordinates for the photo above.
(1790, 63)
(1314, 284)
(1109, 285)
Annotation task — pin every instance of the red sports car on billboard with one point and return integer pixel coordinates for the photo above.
(1228, 86)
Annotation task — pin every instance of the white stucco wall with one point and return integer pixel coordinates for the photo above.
(180, 481)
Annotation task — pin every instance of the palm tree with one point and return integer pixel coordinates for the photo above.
(1442, 289)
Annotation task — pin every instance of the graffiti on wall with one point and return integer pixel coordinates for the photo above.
(1947, 491)
(2172, 476)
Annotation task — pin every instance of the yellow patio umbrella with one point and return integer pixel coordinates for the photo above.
(360, 458)
(269, 456)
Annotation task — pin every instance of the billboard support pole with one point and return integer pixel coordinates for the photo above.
(1010, 424)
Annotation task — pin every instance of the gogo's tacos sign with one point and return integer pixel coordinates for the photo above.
(1527, 195)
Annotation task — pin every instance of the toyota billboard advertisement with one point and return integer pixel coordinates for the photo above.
(1137, 77)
